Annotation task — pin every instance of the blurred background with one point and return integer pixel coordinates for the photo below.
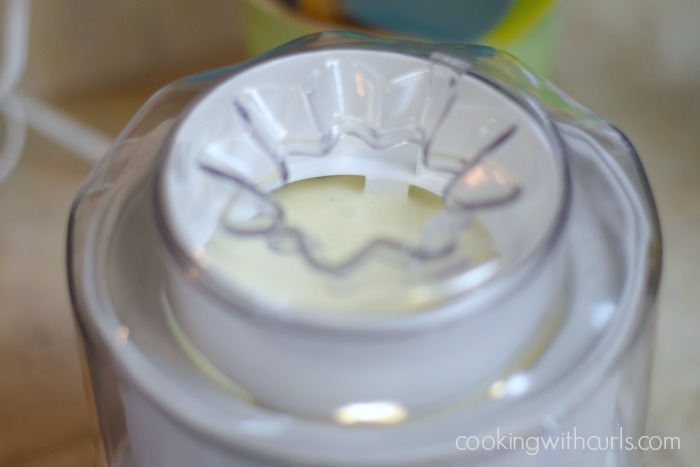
(91, 64)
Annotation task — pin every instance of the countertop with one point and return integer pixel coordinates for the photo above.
(44, 420)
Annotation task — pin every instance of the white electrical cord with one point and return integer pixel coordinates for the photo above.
(14, 57)
(15, 42)
(20, 111)
(64, 130)
(12, 141)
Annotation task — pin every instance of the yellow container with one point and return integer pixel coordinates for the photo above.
(527, 31)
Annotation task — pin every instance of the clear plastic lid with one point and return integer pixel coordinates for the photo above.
(405, 127)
